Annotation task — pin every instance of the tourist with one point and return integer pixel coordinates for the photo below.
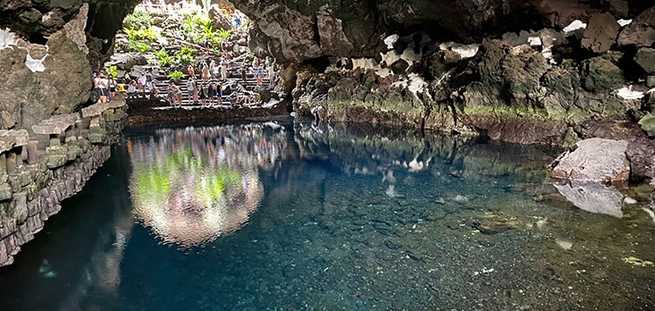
(213, 68)
(223, 70)
(205, 73)
(244, 75)
(211, 93)
(190, 72)
(174, 97)
(120, 88)
(150, 85)
(142, 84)
(192, 86)
(205, 93)
(237, 20)
(131, 88)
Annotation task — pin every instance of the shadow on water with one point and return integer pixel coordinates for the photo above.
(295, 216)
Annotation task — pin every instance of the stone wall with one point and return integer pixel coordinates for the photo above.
(39, 170)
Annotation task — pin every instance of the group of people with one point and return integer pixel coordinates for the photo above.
(207, 84)
(104, 87)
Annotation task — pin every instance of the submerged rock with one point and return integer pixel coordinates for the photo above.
(595, 160)
(593, 197)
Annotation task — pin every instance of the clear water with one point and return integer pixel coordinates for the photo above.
(263, 217)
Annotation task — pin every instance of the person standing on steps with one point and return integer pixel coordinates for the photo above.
(205, 73)
(205, 93)
(212, 94)
(142, 84)
(222, 67)
(190, 71)
(192, 87)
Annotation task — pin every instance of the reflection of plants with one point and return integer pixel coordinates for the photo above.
(164, 58)
(176, 75)
(153, 183)
(112, 71)
(185, 55)
(213, 184)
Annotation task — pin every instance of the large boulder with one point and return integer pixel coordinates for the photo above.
(601, 33)
(641, 32)
(602, 73)
(594, 160)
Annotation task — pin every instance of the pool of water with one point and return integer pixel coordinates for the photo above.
(295, 217)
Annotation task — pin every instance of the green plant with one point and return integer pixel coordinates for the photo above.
(176, 75)
(185, 55)
(139, 46)
(112, 71)
(139, 19)
(143, 34)
(164, 58)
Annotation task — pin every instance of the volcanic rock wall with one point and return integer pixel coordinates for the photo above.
(38, 171)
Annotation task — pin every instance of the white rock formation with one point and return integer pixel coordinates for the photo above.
(628, 94)
(595, 160)
(7, 39)
(391, 40)
(35, 65)
(464, 50)
(575, 25)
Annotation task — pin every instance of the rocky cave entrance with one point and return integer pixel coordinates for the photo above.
(175, 61)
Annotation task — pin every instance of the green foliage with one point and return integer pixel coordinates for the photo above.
(176, 75)
(185, 55)
(139, 46)
(164, 58)
(144, 34)
(199, 29)
(139, 19)
(112, 71)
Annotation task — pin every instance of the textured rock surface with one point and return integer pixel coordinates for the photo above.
(641, 154)
(32, 188)
(595, 160)
(30, 96)
(601, 33)
(641, 32)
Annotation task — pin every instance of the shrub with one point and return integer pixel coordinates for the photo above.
(145, 34)
(139, 46)
(164, 58)
(139, 19)
(176, 75)
(185, 56)
(112, 71)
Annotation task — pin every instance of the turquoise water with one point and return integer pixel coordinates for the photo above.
(296, 217)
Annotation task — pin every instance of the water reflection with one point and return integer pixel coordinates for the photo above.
(593, 197)
(337, 218)
(191, 186)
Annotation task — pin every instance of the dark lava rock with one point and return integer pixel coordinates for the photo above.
(601, 33)
(600, 73)
(641, 154)
(642, 30)
(645, 58)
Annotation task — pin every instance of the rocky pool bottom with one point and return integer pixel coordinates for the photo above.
(291, 217)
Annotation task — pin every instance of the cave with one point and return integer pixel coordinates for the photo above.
(327, 155)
